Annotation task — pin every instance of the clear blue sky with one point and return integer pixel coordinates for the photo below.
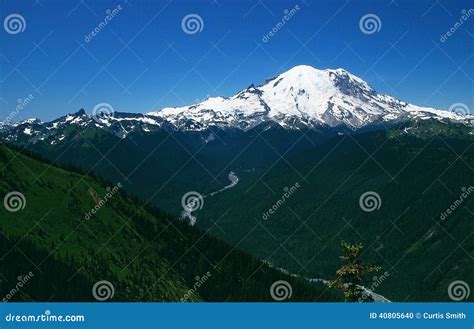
(142, 60)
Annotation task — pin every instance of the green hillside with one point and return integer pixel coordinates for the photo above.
(145, 254)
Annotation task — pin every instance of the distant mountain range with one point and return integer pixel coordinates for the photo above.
(301, 98)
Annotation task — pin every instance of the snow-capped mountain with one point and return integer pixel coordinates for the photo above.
(302, 96)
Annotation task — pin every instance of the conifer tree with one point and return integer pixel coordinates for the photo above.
(350, 276)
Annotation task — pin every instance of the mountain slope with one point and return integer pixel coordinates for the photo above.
(146, 254)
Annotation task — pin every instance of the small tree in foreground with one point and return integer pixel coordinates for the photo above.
(351, 275)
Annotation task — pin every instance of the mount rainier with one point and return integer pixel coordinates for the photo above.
(302, 96)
